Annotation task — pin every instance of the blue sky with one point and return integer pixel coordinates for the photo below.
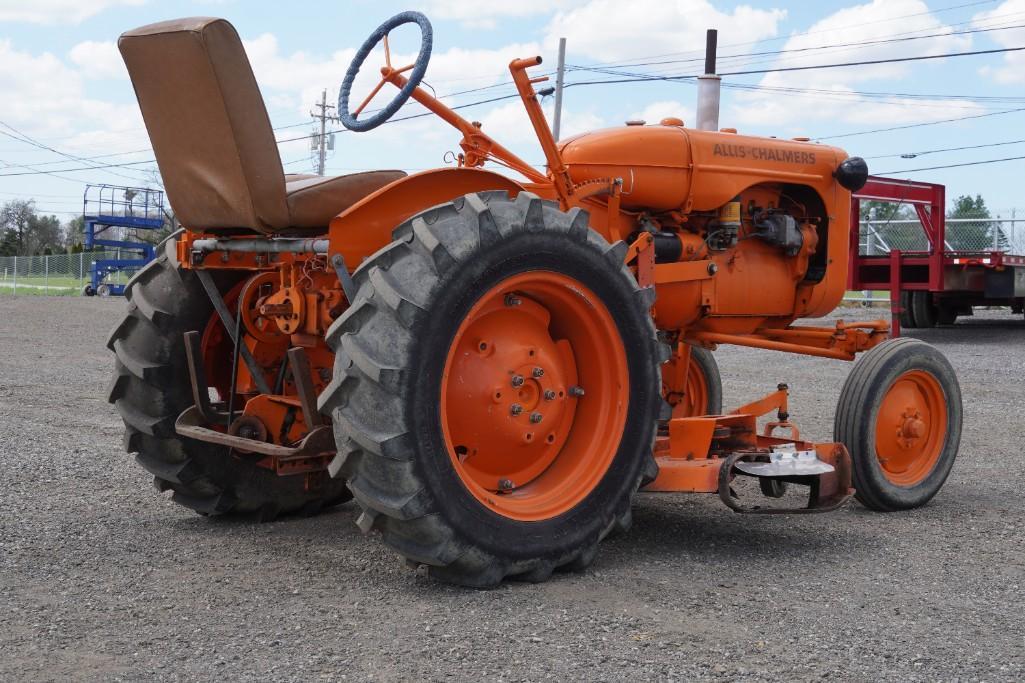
(62, 82)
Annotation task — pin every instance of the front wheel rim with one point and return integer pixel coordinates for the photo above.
(911, 428)
(534, 395)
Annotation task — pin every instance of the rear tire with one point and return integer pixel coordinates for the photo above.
(946, 314)
(923, 308)
(900, 417)
(151, 388)
(907, 316)
(394, 359)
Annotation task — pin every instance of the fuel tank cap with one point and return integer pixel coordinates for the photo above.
(671, 121)
(636, 122)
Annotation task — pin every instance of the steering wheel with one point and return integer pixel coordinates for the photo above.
(419, 68)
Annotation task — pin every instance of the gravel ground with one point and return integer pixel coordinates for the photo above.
(102, 578)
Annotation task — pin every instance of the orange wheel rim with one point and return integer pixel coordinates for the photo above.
(911, 428)
(696, 396)
(534, 395)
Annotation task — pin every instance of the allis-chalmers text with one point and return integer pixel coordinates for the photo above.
(787, 156)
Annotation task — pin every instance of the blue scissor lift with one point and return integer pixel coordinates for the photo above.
(113, 216)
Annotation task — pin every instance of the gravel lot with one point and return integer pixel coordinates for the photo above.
(102, 578)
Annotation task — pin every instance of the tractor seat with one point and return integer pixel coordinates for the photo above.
(314, 201)
(212, 137)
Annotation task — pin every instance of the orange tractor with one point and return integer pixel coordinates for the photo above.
(492, 367)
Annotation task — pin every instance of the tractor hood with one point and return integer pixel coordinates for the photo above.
(668, 167)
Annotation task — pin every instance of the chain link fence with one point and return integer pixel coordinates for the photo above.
(878, 238)
(57, 275)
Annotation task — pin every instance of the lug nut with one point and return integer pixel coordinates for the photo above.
(539, 372)
(549, 395)
(536, 417)
(505, 485)
(577, 391)
(517, 380)
(516, 409)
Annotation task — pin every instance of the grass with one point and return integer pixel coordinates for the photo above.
(54, 285)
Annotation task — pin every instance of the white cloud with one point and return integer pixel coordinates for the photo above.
(38, 89)
(56, 11)
(1013, 69)
(489, 15)
(292, 82)
(99, 60)
(304, 75)
(611, 30)
(510, 125)
(45, 99)
(779, 106)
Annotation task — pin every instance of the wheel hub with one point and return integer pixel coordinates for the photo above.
(911, 428)
(511, 412)
(534, 395)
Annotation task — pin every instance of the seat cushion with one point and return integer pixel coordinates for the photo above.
(314, 201)
(208, 124)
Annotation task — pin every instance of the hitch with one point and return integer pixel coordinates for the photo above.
(209, 422)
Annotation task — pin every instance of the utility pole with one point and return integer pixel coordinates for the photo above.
(321, 139)
(560, 76)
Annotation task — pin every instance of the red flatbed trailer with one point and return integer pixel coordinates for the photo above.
(934, 285)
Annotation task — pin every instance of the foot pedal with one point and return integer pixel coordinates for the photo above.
(824, 469)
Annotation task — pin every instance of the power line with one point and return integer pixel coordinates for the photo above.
(912, 155)
(35, 143)
(811, 33)
(81, 168)
(875, 93)
(918, 125)
(868, 62)
(407, 118)
(690, 77)
(967, 163)
(898, 38)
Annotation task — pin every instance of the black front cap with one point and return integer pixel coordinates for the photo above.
(852, 173)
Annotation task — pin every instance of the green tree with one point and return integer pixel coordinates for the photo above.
(887, 229)
(43, 234)
(15, 217)
(8, 243)
(972, 236)
(74, 234)
(872, 210)
(966, 206)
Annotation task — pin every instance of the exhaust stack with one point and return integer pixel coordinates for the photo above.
(708, 86)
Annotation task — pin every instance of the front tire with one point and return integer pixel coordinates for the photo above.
(900, 417)
(478, 306)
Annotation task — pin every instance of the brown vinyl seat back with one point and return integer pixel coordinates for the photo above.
(208, 124)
